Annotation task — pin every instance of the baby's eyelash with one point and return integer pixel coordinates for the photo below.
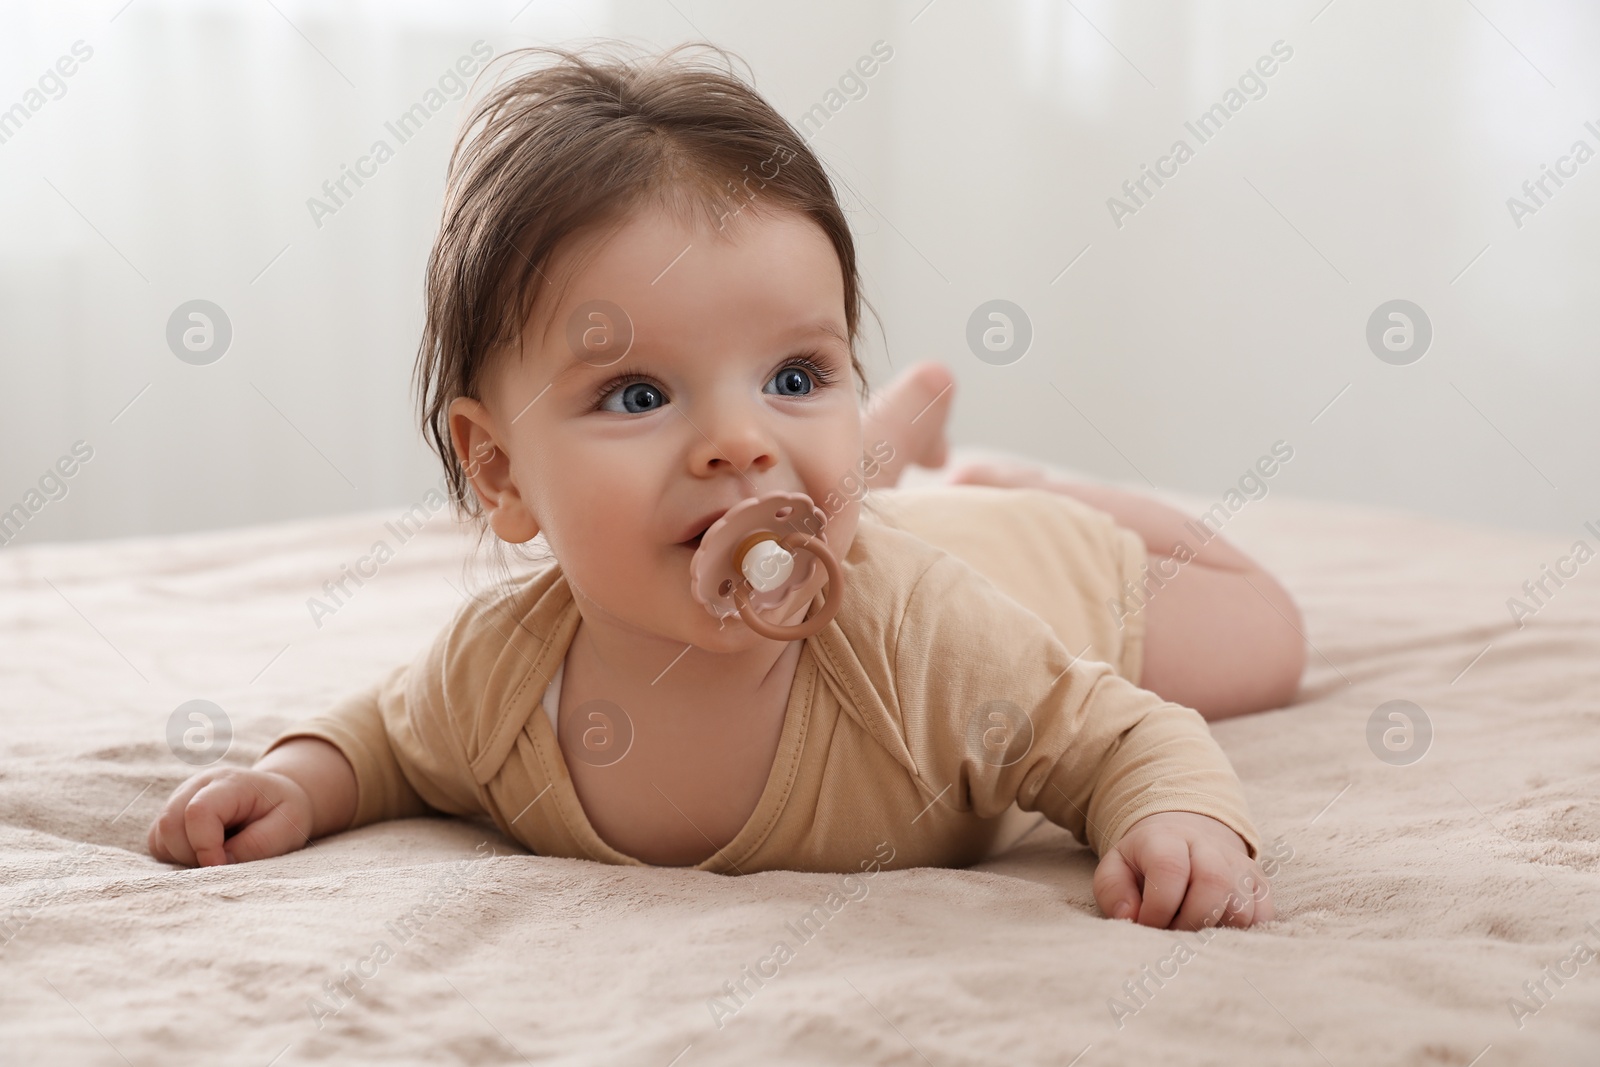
(616, 383)
(807, 363)
(811, 365)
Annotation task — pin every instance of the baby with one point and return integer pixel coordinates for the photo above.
(642, 309)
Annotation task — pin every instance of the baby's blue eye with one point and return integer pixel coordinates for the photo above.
(792, 381)
(635, 398)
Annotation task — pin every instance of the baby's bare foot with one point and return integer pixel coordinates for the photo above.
(910, 413)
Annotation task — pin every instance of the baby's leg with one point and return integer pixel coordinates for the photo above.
(1222, 636)
(909, 413)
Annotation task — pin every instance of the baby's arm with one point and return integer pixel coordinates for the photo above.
(349, 766)
(1181, 859)
(993, 702)
(303, 789)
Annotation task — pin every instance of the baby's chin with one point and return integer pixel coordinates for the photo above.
(725, 635)
(686, 624)
(733, 640)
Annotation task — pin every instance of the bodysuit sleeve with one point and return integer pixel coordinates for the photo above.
(402, 743)
(992, 702)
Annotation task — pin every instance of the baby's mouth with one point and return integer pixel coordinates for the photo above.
(693, 543)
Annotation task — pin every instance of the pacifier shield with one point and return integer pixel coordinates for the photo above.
(713, 576)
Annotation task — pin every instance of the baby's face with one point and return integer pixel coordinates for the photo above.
(738, 381)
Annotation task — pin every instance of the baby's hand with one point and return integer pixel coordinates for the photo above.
(1175, 858)
(270, 813)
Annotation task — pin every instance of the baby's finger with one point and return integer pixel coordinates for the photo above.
(1165, 864)
(168, 831)
(172, 841)
(1213, 898)
(1259, 889)
(218, 805)
(1241, 906)
(153, 845)
(271, 835)
(1266, 907)
(1116, 887)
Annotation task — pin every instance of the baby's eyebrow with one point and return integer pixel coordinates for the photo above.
(811, 328)
(820, 326)
(574, 363)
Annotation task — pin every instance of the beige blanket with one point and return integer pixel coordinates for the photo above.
(1431, 912)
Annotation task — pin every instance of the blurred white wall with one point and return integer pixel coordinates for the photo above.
(1223, 311)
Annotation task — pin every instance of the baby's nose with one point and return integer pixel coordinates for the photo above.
(736, 436)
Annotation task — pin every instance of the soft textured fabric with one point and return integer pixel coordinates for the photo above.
(1414, 902)
(932, 704)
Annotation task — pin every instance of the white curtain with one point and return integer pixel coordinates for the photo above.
(176, 163)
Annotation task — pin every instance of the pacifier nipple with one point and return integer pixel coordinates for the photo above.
(767, 566)
(761, 560)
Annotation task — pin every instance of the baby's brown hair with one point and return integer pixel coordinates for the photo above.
(575, 147)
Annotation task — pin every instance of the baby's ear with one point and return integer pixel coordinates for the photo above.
(488, 470)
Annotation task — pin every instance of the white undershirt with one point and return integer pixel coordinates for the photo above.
(552, 697)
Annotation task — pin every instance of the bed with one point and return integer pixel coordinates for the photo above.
(1441, 910)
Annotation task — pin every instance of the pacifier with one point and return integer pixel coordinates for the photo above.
(760, 560)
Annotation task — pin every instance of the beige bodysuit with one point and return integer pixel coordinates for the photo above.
(976, 672)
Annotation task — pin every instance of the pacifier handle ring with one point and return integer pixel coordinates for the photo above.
(806, 627)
